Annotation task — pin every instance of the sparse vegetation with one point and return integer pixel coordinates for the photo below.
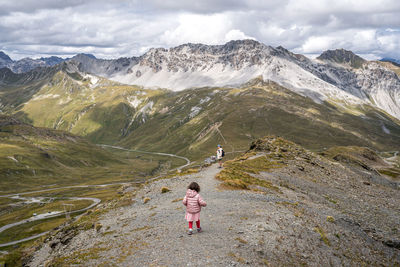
(238, 173)
(241, 240)
(165, 189)
(98, 226)
(80, 256)
(322, 234)
(236, 257)
(330, 199)
(391, 172)
(189, 171)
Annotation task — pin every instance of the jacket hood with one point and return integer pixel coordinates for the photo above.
(191, 193)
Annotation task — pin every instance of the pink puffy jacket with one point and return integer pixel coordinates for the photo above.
(193, 201)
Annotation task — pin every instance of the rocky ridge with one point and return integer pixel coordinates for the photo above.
(342, 56)
(27, 64)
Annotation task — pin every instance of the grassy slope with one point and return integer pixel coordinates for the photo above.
(107, 113)
(31, 157)
(259, 109)
(16, 89)
(72, 103)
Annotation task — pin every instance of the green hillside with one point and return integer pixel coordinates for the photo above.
(31, 157)
(235, 117)
(193, 121)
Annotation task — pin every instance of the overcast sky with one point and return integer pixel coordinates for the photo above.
(130, 27)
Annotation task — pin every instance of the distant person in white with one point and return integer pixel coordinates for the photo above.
(220, 155)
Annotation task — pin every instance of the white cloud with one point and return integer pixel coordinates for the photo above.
(390, 42)
(236, 34)
(207, 29)
(130, 27)
(317, 43)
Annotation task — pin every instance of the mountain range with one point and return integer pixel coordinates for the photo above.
(336, 75)
(27, 64)
(198, 95)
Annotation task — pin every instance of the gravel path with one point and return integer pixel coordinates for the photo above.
(155, 233)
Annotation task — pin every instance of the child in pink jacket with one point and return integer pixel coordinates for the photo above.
(193, 202)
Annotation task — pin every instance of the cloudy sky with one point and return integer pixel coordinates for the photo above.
(110, 29)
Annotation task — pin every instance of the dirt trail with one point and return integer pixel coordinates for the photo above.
(155, 233)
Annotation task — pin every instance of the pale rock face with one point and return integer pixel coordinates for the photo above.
(237, 62)
(134, 101)
(92, 79)
(46, 96)
(194, 111)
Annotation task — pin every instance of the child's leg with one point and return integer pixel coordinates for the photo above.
(191, 225)
(198, 224)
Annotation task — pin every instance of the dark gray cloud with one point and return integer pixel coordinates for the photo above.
(125, 28)
(29, 6)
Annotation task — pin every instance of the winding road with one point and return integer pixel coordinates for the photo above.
(96, 201)
(188, 162)
(45, 216)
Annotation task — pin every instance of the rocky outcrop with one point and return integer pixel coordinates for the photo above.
(342, 56)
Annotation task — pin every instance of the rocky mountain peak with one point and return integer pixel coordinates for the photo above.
(4, 56)
(230, 46)
(27, 64)
(240, 44)
(83, 56)
(51, 61)
(196, 57)
(87, 55)
(342, 56)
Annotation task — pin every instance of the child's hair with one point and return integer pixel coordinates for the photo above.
(194, 186)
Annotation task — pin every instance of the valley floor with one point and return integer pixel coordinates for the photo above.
(241, 227)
